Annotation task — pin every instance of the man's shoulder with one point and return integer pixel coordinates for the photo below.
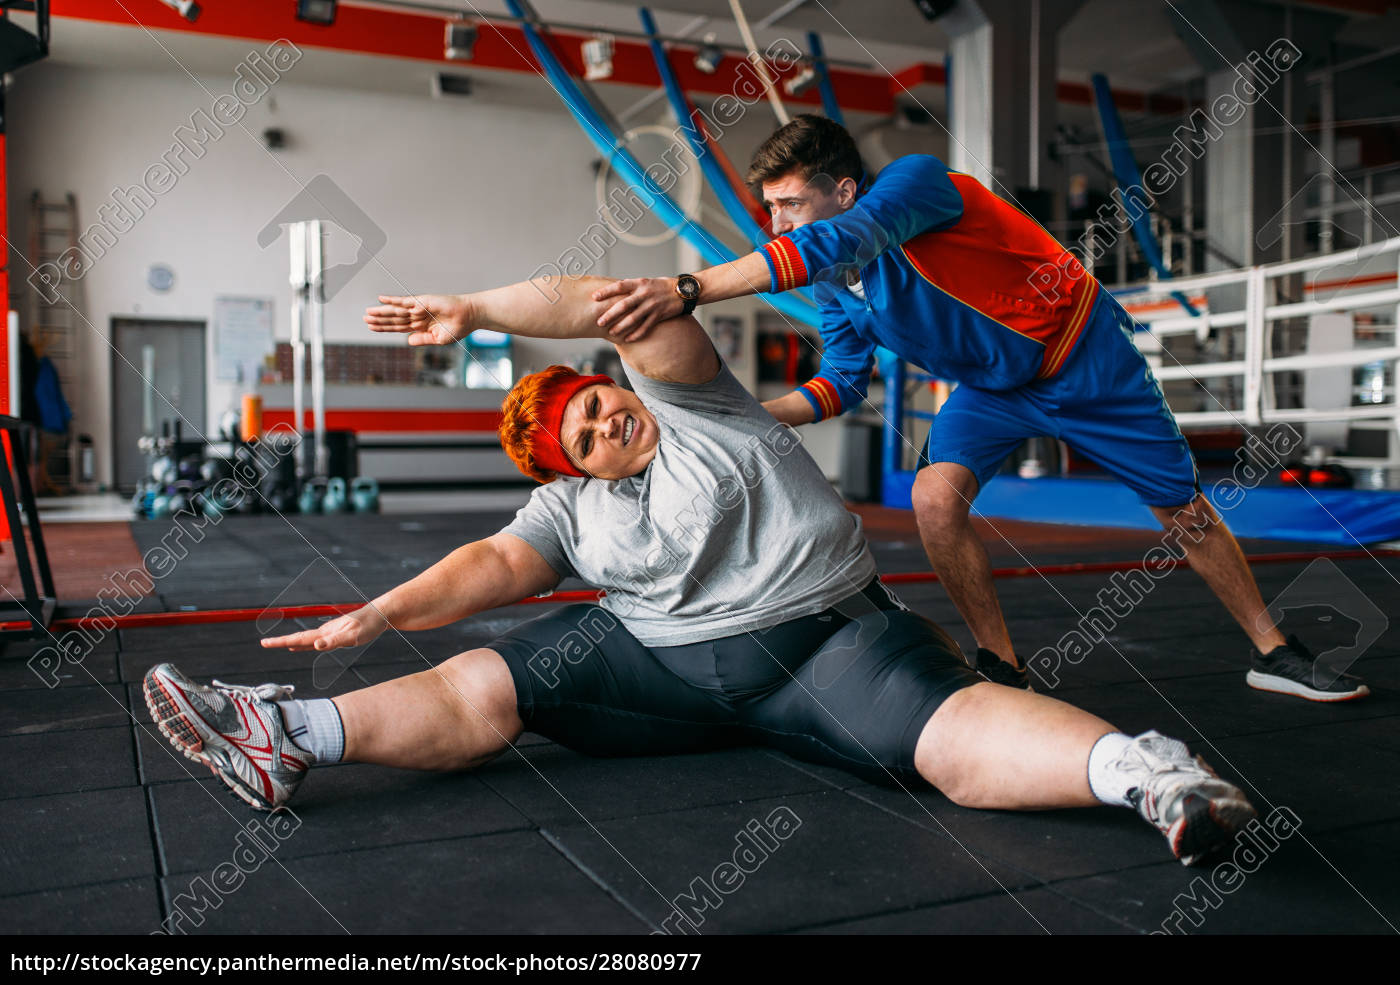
(912, 164)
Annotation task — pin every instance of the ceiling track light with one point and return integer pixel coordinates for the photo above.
(460, 42)
(598, 57)
(320, 12)
(934, 9)
(709, 56)
(797, 84)
(187, 9)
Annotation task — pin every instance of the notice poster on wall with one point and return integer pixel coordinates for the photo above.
(242, 337)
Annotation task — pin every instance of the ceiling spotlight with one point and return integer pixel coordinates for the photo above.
(597, 57)
(187, 9)
(461, 40)
(707, 59)
(320, 12)
(934, 9)
(797, 84)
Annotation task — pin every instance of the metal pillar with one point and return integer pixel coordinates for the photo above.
(308, 241)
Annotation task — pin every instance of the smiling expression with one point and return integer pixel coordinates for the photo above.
(608, 433)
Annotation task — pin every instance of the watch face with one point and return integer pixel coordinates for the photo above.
(688, 287)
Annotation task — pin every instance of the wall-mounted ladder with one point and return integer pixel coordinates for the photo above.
(53, 230)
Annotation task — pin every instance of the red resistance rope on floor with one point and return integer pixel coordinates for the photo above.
(138, 620)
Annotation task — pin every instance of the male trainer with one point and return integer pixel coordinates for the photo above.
(931, 265)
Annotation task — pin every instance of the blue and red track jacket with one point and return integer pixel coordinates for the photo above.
(955, 282)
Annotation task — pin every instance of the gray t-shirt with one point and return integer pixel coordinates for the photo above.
(731, 528)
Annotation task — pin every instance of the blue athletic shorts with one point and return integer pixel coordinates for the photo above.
(1104, 403)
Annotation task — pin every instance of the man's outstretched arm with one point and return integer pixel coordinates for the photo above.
(914, 194)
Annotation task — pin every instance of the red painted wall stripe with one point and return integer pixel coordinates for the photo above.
(404, 34)
(371, 421)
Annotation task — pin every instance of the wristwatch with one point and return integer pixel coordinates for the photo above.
(688, 288)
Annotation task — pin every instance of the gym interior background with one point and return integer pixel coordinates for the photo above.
(177, 286)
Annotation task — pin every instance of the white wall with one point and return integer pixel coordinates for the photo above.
(470, 196)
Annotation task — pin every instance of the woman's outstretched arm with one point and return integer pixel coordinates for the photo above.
(552, 308)
(499, 570)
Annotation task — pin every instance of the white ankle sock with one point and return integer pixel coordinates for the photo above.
(1109, 785)
(315, 725)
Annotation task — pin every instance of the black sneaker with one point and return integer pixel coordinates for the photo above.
(1291, 669)
(998, 671)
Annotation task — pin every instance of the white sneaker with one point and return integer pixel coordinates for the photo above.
(1182, 797)
(233, 729)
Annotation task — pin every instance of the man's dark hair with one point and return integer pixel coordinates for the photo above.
(810, 145)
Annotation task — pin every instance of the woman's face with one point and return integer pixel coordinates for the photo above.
(608, 433)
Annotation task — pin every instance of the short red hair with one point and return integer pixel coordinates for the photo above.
(531, 417)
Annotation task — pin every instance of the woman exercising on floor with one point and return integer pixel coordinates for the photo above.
(742, 607)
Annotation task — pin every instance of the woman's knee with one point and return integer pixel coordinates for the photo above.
(940, 756)
(479, 684)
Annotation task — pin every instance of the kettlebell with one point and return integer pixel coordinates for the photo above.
(204, 505)
(280, 498)
(311, 495)
(335, 500)
(164, 470)
(180, 502)
(364, 492)
(160, 506)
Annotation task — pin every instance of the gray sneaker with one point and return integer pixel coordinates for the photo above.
(1292, 669)
(1182, 797)
(233, 729)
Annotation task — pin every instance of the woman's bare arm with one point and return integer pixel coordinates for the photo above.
(678, 350)
(500, 570)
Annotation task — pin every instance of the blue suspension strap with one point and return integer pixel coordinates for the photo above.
(1134, 198)
(680, 106)
(610, 146)
(701, 145)
(829, 103)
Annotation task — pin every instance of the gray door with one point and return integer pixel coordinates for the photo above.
(170, 354)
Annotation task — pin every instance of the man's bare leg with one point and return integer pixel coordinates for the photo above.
(1214, 554)
(943, 494)
(459, 714)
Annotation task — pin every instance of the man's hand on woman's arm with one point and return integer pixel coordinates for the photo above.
(500, 570)
(635, 306)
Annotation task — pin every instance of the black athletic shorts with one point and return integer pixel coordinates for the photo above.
(852, 686)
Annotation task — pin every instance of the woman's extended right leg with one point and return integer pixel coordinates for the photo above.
(459, 714)
(261, 741)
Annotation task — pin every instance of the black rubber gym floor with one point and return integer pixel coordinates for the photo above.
(107, 829)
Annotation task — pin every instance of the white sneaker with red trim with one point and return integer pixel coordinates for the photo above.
(1182, 797)
(235, 730)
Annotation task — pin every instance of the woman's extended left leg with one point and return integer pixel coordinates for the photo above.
(1000, 747)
